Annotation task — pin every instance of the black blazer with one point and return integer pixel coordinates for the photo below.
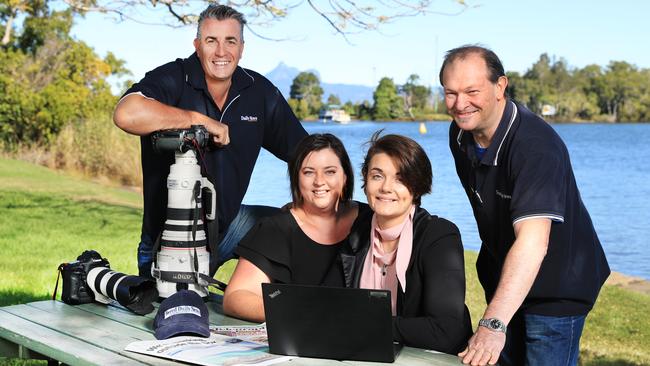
(431, 313)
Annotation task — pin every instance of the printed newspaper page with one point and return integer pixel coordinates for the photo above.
(216, 350)
(252, 333)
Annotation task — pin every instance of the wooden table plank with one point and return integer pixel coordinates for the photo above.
(54, 344)
(86, 327)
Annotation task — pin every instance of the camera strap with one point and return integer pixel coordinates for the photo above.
(58, 276)
(156, 247)
(198, 278)
(196, 192)
(211, 227)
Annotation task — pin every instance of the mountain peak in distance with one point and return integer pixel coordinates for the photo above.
(282, 76)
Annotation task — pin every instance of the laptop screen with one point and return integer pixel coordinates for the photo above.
(329, 322)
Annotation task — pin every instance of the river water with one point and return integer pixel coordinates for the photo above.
(610, 162)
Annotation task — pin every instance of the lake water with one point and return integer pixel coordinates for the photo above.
(610, 163)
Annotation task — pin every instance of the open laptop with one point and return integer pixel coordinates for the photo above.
(329, 322)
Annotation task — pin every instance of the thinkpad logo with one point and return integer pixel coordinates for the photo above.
(249, 118)
(274, 294)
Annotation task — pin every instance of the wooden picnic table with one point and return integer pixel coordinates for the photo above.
(96, 334)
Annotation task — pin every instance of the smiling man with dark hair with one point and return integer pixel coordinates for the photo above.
(240, 108)
(541, 263)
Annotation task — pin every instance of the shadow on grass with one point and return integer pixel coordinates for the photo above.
(609, 362)
(14, 297)
(589, 359)
(30, 201)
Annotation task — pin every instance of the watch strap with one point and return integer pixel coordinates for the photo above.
(493, 324)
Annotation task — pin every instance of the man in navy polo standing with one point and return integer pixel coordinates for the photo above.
(240, 108)
(541, 263)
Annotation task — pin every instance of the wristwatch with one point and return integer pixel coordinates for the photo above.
(493, 324)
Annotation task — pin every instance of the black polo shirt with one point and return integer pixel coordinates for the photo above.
(256, 114)
(526, 173)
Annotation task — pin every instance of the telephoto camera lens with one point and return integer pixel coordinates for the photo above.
(133, 292)
(183, 260)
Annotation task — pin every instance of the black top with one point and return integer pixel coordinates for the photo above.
(278, 247)
(256, 114)
(526, 173)
(431, 313)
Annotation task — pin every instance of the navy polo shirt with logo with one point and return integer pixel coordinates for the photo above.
(526, 173)
(257, 116)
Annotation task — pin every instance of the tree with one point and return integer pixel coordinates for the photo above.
(621, 84)
(363, 110)
(536, 82)
(299, 107)
(350, 108)
(643, 103)
(588, 81)
(344, 16)
(515, 81)
(50, 80)
(306, 86)
(333, 99)
(388, 105)
(10, 10)
(416, 96)
(41, 24)
(618, 92)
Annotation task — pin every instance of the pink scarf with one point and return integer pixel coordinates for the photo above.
(384, 270)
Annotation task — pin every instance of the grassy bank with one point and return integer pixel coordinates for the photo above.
(92, 148)
(47, 218)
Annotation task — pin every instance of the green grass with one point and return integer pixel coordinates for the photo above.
(47, 218)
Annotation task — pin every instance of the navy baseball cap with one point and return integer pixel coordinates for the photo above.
(183, 313)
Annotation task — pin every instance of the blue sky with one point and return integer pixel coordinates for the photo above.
(582, 32)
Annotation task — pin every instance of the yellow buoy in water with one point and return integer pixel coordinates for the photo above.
(423, 128)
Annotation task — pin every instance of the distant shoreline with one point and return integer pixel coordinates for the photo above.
(632, 283)
(448, 119)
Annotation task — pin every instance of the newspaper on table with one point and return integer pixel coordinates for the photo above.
(238, 349)
(253, 333)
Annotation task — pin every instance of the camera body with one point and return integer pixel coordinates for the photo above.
(90, 279)
(197, 136)
(75, 288)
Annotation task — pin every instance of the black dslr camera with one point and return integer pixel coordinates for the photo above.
(90, 279)
(75, 289)
(195, 137)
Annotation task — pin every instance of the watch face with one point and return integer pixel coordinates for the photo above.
(495, 324)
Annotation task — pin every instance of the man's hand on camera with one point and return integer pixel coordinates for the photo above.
(219, 132)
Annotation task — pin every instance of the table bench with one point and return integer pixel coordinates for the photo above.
(96, 334)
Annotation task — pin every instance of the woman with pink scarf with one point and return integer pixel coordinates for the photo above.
(418, 257)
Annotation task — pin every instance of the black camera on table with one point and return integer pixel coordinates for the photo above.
(182, 140)
(75, 289)
(90, 279)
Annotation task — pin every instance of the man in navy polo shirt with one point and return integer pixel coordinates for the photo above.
(240, 108)
(541, 264)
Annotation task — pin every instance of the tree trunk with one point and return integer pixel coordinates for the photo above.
(7, 37)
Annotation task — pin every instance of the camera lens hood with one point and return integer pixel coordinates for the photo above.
(137, 294)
